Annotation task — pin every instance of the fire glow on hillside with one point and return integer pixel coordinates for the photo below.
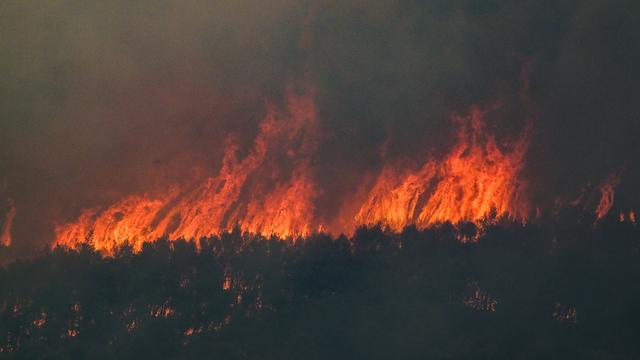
(477, 181)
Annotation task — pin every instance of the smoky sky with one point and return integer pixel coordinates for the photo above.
(102, 99)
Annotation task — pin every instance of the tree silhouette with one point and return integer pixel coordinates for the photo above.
(565, 289)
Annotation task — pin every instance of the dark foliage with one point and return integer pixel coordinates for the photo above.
(568, 290)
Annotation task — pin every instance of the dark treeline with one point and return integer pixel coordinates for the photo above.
(570, 290)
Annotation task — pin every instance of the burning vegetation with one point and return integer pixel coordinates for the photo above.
(435, 180)
(270, 191)
(5, 229)
(253, 193)
(476, 181)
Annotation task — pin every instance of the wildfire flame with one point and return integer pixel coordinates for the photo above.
(607, 189)
(475, 181)
(630, 217)
(5, 230)
(253, 193)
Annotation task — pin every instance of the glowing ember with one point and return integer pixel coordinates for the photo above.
(630, 218)
(41, 321)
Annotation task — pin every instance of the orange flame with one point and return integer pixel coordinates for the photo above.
(242, 194)
(259, 194)
(5, 231)
(607, 189)
(630, 218)
(475, 180)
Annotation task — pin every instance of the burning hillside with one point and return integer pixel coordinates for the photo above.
(270, 191)
(241, 179)
(126, 123)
